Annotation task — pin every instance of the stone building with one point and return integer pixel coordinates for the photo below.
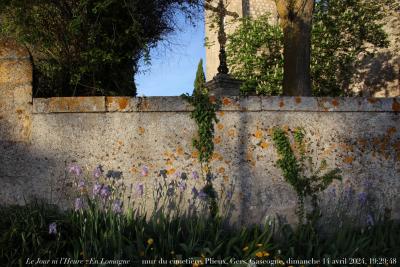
(377, 75)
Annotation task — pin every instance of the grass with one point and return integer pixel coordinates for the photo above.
(93, 234)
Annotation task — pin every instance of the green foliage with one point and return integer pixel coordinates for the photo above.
(88, 47)
(98, 234)
(340, 32)
(255, 56)
(200, 81)
(294, 170)
(204, 114)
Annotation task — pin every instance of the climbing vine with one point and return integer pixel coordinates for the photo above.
(294, 169)
(204, 114)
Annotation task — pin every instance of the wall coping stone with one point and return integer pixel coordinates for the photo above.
(178, 104)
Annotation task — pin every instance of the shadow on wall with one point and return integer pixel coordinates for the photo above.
(19, 170)
(379, 75)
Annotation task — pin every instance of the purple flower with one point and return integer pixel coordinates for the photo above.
(202, 195)
(75, 169)
(98, 171)
(370, 220)
(229, 194)
(195, 175)
(53, 228)
(362, 197)
(140, 189)
(195, 192)
(117, 206)
(78, 204)
(81, 185)
(97, 188)
(182, 185)
(145, 171)
(105, 191)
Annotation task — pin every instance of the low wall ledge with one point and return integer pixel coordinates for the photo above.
(178, 104)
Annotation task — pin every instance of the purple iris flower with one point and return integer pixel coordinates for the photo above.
(145, 171)
(75, 169)
(97, 188)
(81, 184)
(182, 185)
(105, 191)
(78, 204)
(98, 171)
(117, 206)
(370, 220)
(195, 175)
(362, 197)
(229, 194)
(202, 195)
(140, 189)
(53, 228)
(195, 192)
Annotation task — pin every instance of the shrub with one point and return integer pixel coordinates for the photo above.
(341, 31)
(82, 47)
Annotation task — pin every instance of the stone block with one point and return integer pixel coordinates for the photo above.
(9, 49)
(18, 71)
(69, 105)
(164, 104)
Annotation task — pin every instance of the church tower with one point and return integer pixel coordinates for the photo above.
(242, 8)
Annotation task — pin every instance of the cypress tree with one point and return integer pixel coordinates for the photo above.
(200, 81)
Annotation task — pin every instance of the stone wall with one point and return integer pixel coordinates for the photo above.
(40, 138)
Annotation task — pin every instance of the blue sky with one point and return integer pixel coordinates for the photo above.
(173, 66)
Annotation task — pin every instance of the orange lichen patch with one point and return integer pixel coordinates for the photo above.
(395, 105)
(76, 104)
(281, 104)
(329, 150)
(346, 147)
(335, 102)
(133, 170)
(123, 103)
(171, 171)
(297, 100)
(285, 128)
(217, 140)
(19, 111)
(117, 102)
(391, 131)
(227, 161)
(212, 99)
(372, 100)
(195, 154)
(179, 151)
(217, 156)
(249, 156)
(264, 145)
(221, 170)
(141, 130)
(348, 160)
(220, 113)
(120, 142)
(226, 101)
(258, 134)
(220, 126)
(231, 132)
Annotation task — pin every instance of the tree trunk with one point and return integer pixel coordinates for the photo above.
(296, 19)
